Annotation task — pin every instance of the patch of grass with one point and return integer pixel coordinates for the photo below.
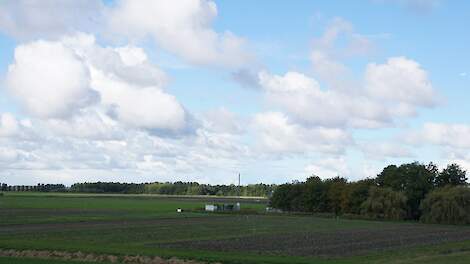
(69, 207)
(455, 252)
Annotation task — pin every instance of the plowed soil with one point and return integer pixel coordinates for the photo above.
(331, 244)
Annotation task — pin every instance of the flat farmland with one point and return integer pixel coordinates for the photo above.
(64, 228)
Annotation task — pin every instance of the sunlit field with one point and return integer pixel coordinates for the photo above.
(117, 226)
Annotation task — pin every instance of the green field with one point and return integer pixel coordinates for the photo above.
(149, 225)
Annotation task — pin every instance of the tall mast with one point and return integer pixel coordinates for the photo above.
(239, 190)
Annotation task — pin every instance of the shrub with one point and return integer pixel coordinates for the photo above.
(448, 205)
(384, 203)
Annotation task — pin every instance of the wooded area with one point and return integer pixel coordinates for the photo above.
(411, 191)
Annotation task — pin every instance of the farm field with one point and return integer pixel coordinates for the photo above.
(137, 225)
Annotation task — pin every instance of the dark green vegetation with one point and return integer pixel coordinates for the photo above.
(149, 225)
(36, 188)
(167, 188)
(397, 193)
(447, 205)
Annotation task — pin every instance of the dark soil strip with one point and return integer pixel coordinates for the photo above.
(340, 243)
(86, 257)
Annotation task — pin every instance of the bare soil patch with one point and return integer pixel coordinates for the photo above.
(332, 244)
(88, 257)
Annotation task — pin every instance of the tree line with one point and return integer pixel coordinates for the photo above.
(167, 188)
(411, 191)
(175, 188)
(33, 188)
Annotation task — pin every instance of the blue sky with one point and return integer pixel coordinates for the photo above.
(200, 90)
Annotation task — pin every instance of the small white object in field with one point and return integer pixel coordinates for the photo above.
(179, 210)
(211, 207)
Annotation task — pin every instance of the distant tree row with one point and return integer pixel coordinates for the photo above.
(108, 187)
(175, 188)
(410, 191)
(33, 188)
(168, 188)
(194, 188)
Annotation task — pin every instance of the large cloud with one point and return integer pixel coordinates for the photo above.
(183, 28)
(400, 80)
(62, 79)
(144, 107)
(50, 80)
(302, 98)
(391, 90)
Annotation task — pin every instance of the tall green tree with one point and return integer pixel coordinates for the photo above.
(415, 180)
(336, 187)
(452, 175)
(315, 195)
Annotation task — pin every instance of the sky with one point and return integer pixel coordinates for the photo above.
(199, 90)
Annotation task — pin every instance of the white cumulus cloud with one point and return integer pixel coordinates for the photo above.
(400, 80)
(392, 90)
(183, 28)
(50, 80)
(303, 99)
(64, 79)
(144, 107)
